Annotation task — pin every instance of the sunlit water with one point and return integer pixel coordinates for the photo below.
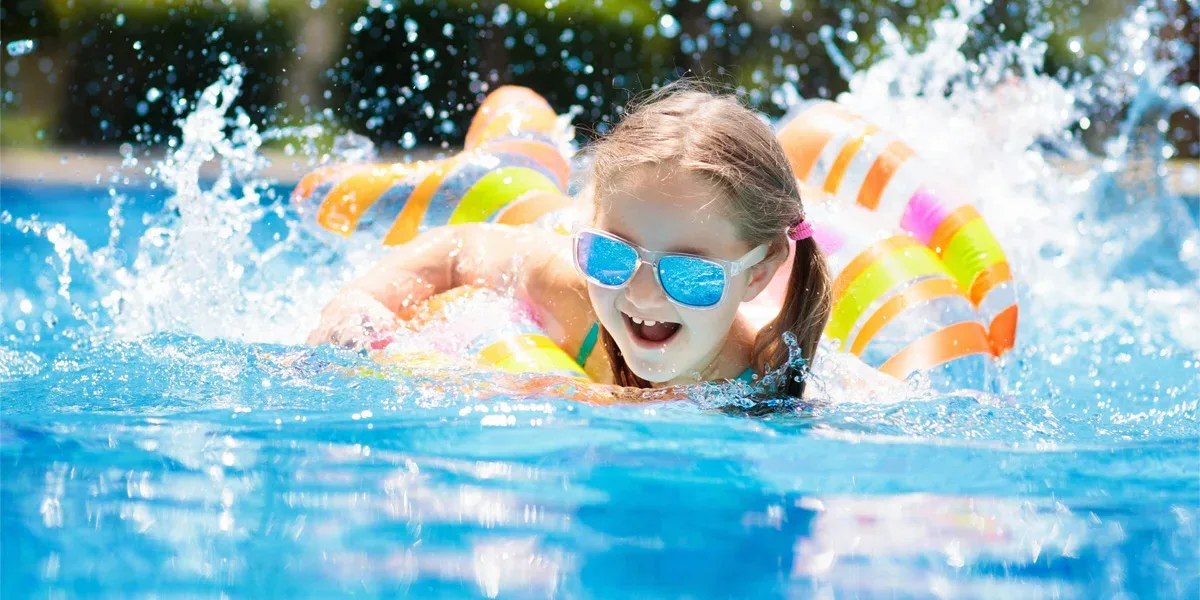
(163, 430)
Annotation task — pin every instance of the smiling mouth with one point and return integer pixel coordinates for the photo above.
(651, 332)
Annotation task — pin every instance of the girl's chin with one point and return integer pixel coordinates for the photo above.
(649, 365)
(653, 375)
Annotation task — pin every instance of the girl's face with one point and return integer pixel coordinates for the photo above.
(671, 210)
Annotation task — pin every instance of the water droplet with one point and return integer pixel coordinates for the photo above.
(20, 47)
(716, 10)
(502, 14)
(668, 26)
(1192, 93)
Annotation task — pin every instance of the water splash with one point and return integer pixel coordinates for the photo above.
(20, 47)
(1016, 151)
(1106, 254)
(222, 259)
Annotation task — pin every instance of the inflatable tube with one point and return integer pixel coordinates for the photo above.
(511, 171)
(896, 305)
(920, 282)
(833, 149)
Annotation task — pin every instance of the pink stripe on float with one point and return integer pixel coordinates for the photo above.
(924, 212)
(827, 239)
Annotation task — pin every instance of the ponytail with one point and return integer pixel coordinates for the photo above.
(805, 310)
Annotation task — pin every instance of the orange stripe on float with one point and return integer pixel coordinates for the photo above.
(496, 102)
(408, 222)
(921, 291)
(530, 207)
(514, 121)
(878, 251)
(435, 305)
(1003, 330)
(833, 181)
(543, 153)
(804, 137)
(353, 195)
(939, 347)
(987, 280)
(881, 172)
(316, 178)
(950, 226)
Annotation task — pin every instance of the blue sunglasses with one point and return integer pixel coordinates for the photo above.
(691, 281)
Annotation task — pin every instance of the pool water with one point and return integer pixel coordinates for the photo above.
(186, 464)
(164, 431)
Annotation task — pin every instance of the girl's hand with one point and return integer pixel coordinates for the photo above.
(355, 319)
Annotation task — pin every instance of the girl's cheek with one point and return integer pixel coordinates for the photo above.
(604, 300)
(713, 325)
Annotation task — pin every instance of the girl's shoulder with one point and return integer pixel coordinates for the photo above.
(549, 282)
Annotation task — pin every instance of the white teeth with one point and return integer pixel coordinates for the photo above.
(636, 320)
(651, 323)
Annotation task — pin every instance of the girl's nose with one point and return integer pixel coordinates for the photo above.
(643, 292)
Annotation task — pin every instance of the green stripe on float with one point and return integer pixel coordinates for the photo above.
(496, 190)
(903, 265)
(972, 250)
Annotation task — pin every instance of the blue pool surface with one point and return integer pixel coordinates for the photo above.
(173, 463)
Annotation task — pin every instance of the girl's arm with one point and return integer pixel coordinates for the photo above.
(365, 309)
(496, 256)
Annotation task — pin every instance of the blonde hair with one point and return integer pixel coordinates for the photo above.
(686, 126)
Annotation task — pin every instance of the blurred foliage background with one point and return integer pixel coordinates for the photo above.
(408, 73)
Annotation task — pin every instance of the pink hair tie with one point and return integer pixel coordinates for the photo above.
(800, 231)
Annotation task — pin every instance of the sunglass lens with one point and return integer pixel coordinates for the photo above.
(608, 261)
(691, 281)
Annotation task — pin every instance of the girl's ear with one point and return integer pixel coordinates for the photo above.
(760, 275)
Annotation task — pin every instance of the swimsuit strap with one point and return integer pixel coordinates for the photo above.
(589, 344)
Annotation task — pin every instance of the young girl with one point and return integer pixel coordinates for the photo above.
(695, 204)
